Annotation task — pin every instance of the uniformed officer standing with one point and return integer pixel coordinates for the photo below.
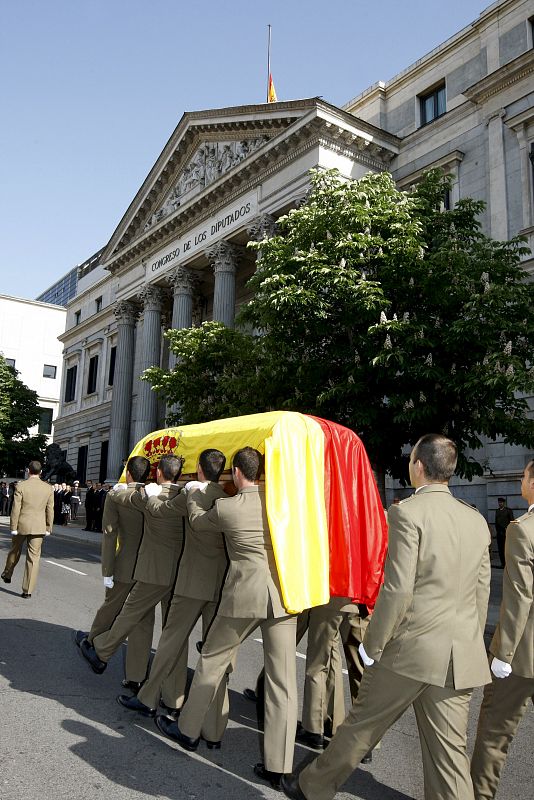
(251, 596)
(424, 644)
(512, 647)
(122, 533)
(198, 586)
(155, 571)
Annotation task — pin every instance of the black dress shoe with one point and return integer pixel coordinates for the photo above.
(199, 646)
(289, 784)
(273, 778)
(79, 636)
(211, 745)
(5, 578)
(172, 730)
(134, 704)
(25, 595)
(133, 686)
(368, 757)
(89, 653)
(251, 695)
(313, 740)
(169, 711)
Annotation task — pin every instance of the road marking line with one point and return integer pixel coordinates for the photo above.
(299, 655)
(77, 571)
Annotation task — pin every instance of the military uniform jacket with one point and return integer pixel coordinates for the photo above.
(122, 527)
(513, 641)
(163, 538)
(251, 588)
(204, 562)
(433, 604)
(33, 507)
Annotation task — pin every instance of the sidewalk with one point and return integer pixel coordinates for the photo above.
(73, 531)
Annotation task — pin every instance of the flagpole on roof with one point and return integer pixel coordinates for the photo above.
(268, 60)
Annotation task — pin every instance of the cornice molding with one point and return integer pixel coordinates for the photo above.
(513, 72)
(444, 163)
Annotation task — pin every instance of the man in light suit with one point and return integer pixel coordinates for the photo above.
(424, 644)
(123, 530)
(506, 698)
(251, 596)
(198, 587)
(32, 517)
(155, 571)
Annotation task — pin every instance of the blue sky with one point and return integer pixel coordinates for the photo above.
(92, 89)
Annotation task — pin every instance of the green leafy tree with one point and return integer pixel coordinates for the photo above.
(377, 310)
(19, 410)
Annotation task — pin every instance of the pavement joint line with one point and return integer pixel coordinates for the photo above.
(62, 566)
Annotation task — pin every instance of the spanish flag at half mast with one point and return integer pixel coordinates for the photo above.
(271, 91)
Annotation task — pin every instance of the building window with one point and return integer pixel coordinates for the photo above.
(81, 466)
(112, 356)
(49, 371)
(10, 362)
(102, 472)
(98, 304)
(77, 317)
(93, 374)
(45, 421)
(70, 384)
(433, 105)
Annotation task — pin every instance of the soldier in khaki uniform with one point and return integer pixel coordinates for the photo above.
(198, 586)
(155, 571)
(32, 517)
(424, 644)
(251, 596)
(123, 530)
(507, 696)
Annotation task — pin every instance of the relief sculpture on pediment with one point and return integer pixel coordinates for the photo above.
(210, 162)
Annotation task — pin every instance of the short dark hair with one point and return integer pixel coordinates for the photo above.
(250, 462)
(34, 467)
(171, 466)
(212, 463)
(438, 455)
(138, 467)
(501, 500)
(530, 469)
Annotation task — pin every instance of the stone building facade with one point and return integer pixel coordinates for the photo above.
(179, 257)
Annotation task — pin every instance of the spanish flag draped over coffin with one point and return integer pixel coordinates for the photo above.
(325, 516)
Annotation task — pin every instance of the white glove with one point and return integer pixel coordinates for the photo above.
(120, 487)
(500, 668)
(152, 489)
(365, 658)
(14, 533)
(47, 533)
(191, 485)
(108, 582)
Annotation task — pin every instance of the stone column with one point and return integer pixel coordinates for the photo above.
(223, 256)
(119, 429)
(262, 227)
(497, 177)
(183, 283)
(147, 402)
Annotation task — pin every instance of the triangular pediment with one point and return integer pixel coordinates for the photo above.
(206, 148)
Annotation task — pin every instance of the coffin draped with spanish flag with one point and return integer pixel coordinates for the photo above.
(326, 519)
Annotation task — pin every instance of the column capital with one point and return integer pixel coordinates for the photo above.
(182, 280)
(151, 296)
(223, 256)
(125, 312)
(262, 227)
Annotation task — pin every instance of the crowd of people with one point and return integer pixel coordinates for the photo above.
(204, 553)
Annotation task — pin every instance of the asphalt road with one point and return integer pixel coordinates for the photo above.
(64, 736)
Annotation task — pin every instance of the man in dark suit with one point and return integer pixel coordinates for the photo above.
(512, 648)
(424, 644)
(32, 517)
(251, 596)
(89, 506)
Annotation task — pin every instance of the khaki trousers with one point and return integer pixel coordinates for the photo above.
(33, 556)
(168, 671)
(323, 686)
(441, 715)
(503, 706)
(218, 653)
(139, 640)
(138, 609)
